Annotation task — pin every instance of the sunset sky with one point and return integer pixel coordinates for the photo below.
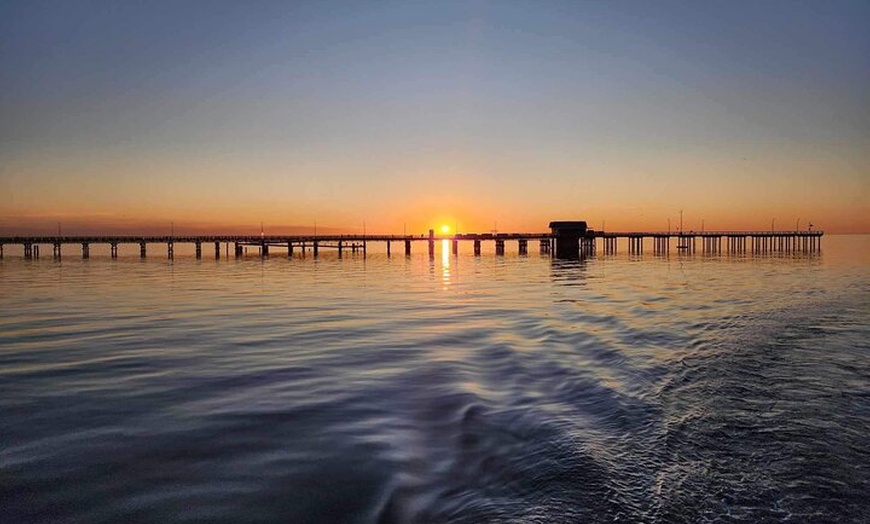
(122, 116)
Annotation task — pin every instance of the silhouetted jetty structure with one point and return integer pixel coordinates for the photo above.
(566, 239)
(716, 242)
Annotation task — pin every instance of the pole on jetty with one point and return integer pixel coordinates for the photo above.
(86, 250)
(142, 249)
(431, 243)
(407, 248)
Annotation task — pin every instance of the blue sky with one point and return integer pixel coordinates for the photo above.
(237, 112)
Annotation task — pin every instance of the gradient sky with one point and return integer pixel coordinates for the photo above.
(487, 115)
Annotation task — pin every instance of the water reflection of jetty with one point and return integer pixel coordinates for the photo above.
(564, 240)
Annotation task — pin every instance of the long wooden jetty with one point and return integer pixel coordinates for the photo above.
(556, 242)
(717, 242)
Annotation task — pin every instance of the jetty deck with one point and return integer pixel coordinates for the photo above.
(709, 242)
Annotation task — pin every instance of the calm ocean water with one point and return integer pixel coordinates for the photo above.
(462, 389)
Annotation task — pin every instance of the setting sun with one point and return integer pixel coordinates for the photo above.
(445, 229)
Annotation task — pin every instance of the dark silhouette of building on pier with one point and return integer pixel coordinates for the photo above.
(569, 237)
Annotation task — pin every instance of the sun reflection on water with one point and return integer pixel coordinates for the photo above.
(445, 263)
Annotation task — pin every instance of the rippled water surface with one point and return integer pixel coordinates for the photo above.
(461, 389)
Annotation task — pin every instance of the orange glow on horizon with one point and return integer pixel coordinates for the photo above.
(416, 218)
